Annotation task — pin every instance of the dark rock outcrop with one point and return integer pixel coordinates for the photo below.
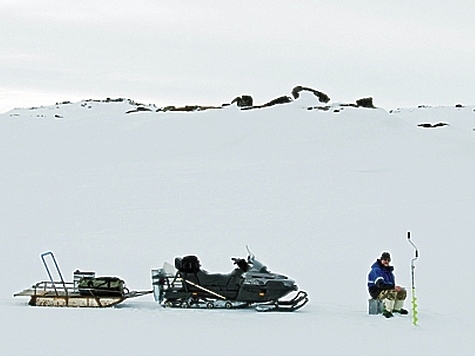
(243, 101)
(138, 109)
(321, 108)
(188, 108)
(365, 103)
(322, 97)
(280, 100)
(430, 126)
(246, 102)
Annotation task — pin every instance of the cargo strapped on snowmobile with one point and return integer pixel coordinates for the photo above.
(187, 264)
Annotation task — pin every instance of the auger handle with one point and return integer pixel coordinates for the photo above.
(413, 245)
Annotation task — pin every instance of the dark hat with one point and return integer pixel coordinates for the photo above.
(385, 256)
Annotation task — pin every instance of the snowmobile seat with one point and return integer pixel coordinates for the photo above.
(219, 279)
(213, 279)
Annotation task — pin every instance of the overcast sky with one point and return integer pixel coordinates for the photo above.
(403, 53)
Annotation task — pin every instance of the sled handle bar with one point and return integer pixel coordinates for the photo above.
(49, 253)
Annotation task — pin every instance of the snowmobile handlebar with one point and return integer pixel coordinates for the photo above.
(251, 263)
(241, 263)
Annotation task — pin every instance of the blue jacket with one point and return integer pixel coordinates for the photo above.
(380, 278)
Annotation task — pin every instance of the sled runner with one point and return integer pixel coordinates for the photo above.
(86, 290)
(187, 285)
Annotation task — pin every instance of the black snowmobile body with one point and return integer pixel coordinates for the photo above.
(250, 283)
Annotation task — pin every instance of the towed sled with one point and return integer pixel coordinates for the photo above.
(86, 290)
(187, 285)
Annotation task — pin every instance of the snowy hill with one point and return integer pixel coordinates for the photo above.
(316, 189)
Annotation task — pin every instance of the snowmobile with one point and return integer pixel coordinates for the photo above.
(187, 285)
(86, 290)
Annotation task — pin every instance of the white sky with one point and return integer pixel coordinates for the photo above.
(402, 53)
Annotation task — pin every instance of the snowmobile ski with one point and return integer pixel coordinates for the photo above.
(291, 305)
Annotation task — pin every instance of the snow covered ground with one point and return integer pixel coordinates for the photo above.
(317, 195)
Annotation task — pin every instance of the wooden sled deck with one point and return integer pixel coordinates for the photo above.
(67, 294)
(48, 295)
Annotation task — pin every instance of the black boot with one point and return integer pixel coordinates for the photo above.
(402, 311)
(387, 314)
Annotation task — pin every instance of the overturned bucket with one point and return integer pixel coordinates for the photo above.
(375, 306)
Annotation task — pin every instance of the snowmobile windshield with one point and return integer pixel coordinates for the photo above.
(257, 266)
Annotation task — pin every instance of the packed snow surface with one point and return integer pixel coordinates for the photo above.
(316, 194)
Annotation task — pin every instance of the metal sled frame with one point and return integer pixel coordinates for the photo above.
(65, 294)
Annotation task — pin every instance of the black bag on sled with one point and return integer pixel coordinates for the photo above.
(102, 286)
